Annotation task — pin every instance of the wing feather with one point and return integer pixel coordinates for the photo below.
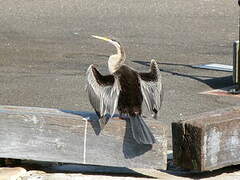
(151, 87)
(103, 91)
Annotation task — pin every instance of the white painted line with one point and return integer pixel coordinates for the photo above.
(214, 66)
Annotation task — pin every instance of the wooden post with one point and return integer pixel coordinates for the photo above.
(75, 137)
(208, 141)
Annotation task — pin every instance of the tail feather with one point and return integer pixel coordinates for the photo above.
(140, 131)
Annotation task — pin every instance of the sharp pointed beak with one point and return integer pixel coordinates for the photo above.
(102, 38)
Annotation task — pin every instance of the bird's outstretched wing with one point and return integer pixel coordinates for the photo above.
(151, 87)
(103, 92)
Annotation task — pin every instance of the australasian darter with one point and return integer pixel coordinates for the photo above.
(124, 90)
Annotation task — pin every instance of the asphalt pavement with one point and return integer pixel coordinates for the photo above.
(46, 47)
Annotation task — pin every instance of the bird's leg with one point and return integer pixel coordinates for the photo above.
(123, 116)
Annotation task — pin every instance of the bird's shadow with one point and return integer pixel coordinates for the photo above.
(131, 148)
(213, 82)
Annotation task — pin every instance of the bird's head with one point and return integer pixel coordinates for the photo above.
(115, 61)
(111, 41)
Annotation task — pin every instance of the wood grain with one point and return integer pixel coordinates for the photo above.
(208, 141)
(75, 137)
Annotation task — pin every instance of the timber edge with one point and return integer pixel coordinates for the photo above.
(207, 141)
(55, 135)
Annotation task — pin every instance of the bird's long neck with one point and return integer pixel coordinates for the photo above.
(117, 60)
(121, 53)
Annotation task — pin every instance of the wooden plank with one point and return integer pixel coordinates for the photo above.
(74, 137)
(208, 141)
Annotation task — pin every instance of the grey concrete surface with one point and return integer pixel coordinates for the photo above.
(45, 49)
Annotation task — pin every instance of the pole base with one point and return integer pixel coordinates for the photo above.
(235, 90)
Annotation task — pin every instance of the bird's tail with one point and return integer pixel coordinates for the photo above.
(141, 133)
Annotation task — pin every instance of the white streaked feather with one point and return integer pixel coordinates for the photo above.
(104, 99)
(152, 90)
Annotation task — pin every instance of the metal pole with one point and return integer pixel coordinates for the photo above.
(238, 55)
(238, 66)
(236, 60)
(239, 20)
(238, 75)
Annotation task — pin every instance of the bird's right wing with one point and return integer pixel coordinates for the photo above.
(151, 87)
(103, 91)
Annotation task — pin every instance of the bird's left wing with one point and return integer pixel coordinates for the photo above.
(103, 92)
(151, 87)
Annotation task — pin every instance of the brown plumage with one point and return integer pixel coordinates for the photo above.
(124, 90)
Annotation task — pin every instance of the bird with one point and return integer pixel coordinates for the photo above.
(124, 90)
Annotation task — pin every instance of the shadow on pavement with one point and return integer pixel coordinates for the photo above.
(213, 82)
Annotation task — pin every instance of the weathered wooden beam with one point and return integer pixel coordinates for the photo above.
(208, 141)
(75, 137)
